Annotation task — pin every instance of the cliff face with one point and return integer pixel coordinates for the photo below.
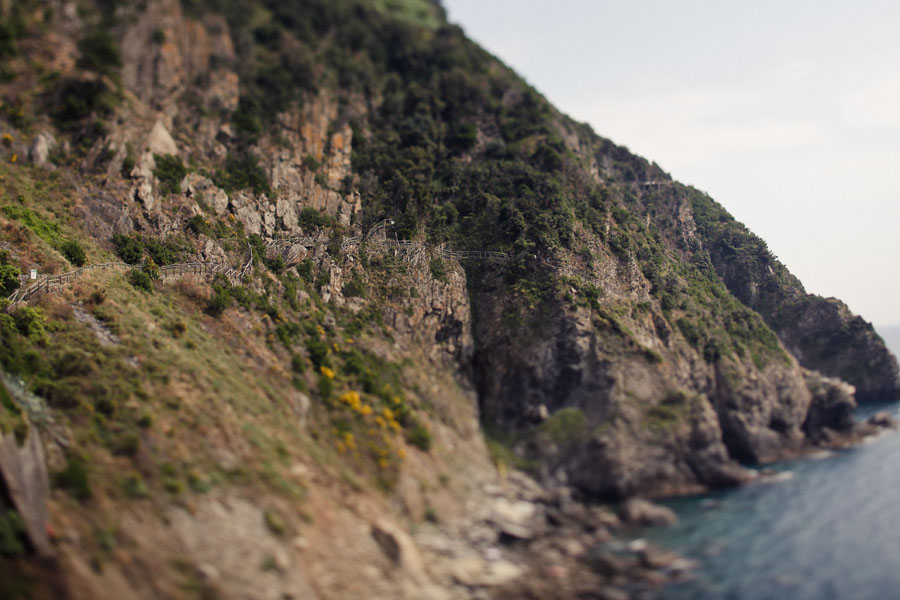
(405, 251)
(821, 332)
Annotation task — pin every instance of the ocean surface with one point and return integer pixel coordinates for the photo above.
(829, 531)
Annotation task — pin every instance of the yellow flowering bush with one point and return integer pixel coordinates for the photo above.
(329, 373)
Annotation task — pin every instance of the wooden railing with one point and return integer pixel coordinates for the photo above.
(51, 282)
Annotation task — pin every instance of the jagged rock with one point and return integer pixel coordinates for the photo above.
(656, 558)
(832, 404)
(609, 564)
(409, 491)
(300, 405)
(160, 141)
(198, 187)
(24, 473)
(514, 519)
(295, 255)
(246, 210)
(142, 173)
(883, 420)
(638, 511)
(400, 548)
(39, 151)
(611, 593)
(475, 572)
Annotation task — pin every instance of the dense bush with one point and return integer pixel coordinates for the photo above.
(354, 288)
(169, 171)
(242, 173)
(312, 219)
(9, 275)
(219, 301)
(140, 279)
(419, 436)
(73, 252)
(75, 100)
(74, 479)
(12, 534)
(129, 248)
(98, 52)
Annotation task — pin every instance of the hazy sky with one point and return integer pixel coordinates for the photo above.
(787, 113)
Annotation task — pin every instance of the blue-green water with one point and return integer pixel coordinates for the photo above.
(832, 531)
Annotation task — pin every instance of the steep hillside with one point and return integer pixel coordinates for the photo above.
(357, 277)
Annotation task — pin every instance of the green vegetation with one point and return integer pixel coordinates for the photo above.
(9, 275)
(133, 248)
(99, 53)
(129, 248)
(419, 12)
(74, 479)
(355, 287)
(243, 173)
(140, 279)
(74, 252)
(275, 522)
(566, 427)
(12, 534)
(438, 269)
(169, 171)
(311, 219)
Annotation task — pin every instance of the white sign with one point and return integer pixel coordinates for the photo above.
(34, 273)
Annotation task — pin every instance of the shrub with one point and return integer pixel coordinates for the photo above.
(74, 479)
(463, 138)
(169, 171)
(73, 252)
(242, 173)
(218, 302)
(163, 253)
(438, 269)
(275, 522)
(245, 118)
(78, 100)
(310, 218)
(140, 279)
(310, 163)
(12, 531)
(134, 486)
(318, 352)
(126, 444)
(99, 53)
(199, 225)
(129, 248)
(305, 270)
(9, 276)
(419, 436)
(276, 265)
(326, 386)
(355, 288)
(31, 323)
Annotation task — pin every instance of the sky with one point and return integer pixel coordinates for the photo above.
(787, 113)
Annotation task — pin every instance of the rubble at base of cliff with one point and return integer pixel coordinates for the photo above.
(526, 541)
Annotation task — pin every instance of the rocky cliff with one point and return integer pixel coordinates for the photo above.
(358, 277)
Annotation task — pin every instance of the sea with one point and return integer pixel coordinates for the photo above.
(825, 528)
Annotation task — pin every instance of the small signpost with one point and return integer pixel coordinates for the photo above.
(34, 274)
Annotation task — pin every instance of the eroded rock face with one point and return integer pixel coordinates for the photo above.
(631, 408)
(824, 335)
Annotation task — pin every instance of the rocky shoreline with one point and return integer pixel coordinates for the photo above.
(525, 540)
